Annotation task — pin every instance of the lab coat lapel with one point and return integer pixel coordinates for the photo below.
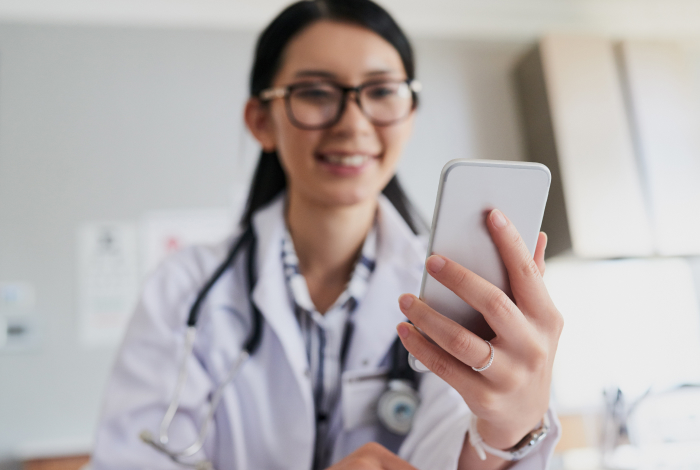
(399, 265)
(270, 293)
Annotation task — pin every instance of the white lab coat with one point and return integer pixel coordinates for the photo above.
(266, 417)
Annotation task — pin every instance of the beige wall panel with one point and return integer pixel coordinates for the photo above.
(602, 190)
(666, 123)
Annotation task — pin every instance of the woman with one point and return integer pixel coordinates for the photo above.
(333, 243)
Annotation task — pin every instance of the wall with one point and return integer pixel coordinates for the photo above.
(461, 18)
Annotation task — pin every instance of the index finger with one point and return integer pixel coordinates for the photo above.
(498, 309)
(526, 284)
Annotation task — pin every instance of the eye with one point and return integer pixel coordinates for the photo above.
(316, 94)
(383, 91)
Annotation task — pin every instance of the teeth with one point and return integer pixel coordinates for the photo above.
(347, 160)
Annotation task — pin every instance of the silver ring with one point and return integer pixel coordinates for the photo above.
(488, 364)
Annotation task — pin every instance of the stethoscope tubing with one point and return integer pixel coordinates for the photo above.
(255, 335)
(250, 346)
(175, 402)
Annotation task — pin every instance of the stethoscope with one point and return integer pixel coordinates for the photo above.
(395, 409)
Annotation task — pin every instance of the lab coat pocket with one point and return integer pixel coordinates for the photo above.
(360, 394)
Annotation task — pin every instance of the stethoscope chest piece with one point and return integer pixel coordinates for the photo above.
(397, 406)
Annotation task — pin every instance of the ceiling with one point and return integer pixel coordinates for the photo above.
(480, 18)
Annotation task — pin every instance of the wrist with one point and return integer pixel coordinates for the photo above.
(520, 449)
(500, 436)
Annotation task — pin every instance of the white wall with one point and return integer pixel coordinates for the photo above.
(468, 109)
(98, 124)
(461, 18)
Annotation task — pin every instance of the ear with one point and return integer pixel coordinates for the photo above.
(257, 119)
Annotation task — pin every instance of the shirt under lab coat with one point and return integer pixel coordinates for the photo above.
(265, 419)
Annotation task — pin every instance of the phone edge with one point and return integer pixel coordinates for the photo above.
(470, 162)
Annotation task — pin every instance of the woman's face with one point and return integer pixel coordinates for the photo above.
(352, 161)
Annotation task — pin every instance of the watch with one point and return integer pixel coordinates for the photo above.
(518, 451)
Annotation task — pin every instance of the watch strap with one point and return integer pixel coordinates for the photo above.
(518, 451)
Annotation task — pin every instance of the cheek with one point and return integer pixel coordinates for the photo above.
(294, 146)
(394, 139)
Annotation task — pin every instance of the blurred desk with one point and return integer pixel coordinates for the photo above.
(73, 462)
(579, 431)
(578, 448)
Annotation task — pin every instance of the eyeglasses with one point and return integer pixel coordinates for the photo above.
(320, 105)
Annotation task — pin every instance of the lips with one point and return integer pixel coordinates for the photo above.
(355, 160)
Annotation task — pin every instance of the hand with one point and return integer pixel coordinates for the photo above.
(510, 397)
(372, 456)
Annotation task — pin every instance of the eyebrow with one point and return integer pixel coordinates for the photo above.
(379, 72)
(314, 73)
(331, 75)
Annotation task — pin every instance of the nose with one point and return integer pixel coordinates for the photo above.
(353, 119)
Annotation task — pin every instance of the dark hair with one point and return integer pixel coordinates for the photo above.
(269, 178)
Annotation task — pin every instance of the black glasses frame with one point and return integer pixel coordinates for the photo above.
(285, 92)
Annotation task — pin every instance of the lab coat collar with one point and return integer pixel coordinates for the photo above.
(400, 256)
(270, 294)
(398, 243)
(399, 261)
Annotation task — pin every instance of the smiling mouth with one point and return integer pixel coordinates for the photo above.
(350, 161)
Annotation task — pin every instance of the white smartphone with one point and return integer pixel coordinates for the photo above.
(468, 191)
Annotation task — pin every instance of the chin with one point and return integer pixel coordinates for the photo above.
(351, 197)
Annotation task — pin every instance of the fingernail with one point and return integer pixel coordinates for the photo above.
(402, 330)
(435, 263)
(546, 240)
(405, 301)
(497, 219)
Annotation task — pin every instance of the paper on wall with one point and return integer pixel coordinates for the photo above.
(18, 320)
(17, 297)
(166, 232)
(108, 280)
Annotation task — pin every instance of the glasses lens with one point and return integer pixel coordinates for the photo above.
(386, 102)
(315, 105)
